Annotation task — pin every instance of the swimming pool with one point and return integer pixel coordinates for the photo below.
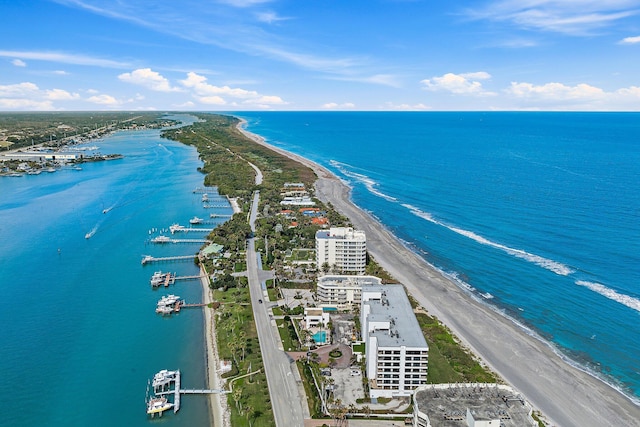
(320, 337)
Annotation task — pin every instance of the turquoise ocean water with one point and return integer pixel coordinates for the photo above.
(536, 214)
(80, 338)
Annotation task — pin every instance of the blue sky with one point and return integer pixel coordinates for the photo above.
(240, 55)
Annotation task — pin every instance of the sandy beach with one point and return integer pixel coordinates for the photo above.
(217, 402)
(565, 395)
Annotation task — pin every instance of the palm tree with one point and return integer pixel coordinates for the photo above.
(237, 396)
(366, 410)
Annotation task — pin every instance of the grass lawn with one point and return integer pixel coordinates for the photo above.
(238, 341)
(288, 342)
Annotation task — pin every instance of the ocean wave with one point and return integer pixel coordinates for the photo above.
(623, 299)
(548, 264)
(367, 181)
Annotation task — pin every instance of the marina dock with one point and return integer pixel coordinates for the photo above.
(165, 279)
(167, 383)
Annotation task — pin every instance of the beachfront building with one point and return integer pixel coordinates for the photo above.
(342, 248)
(297, 201)
(343, 291)
(395, 350)
(315, 317)
(470, 405)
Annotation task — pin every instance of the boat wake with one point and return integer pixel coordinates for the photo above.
(91, 233)
(623, 299)
(548, 264)
(368, 182)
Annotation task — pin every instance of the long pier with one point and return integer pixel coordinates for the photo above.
(180, 228)
(178, 241)
(202, 190)
(149, 259)
(166, 279)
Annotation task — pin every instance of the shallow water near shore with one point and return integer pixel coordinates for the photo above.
(535, 214)
(80, 338)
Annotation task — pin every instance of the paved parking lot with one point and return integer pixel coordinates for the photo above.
(349, 388)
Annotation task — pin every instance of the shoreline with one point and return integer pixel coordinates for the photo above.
(566, 395)
(217, 402)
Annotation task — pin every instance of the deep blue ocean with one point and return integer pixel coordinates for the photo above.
(536, 214)
(79, 335)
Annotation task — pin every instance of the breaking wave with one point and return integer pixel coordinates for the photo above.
(368, 182)
(623, 299)
(548, 264)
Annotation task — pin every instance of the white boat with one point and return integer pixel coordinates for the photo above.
(176, 227)
(205, 197)
(195, 220)
(158, 405)
(168, 300)
(157, 278)
(164, 309)
(161, 239)
(164, 377)
(50, 170)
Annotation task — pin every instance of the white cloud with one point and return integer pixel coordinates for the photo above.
(148, 78)
(18, 90)
(60, 95)
(406, 107)
(630, 40)
(64, 58)
(25, 104)
(103, 100)
(459, 84)
(28, 96)
(214, 100)
(575, 17)
(336, 106)
(19, 63)
(211, 94)
(554, 91)
(243, 3)
(270, 17)
(583, 97)
(61, 73)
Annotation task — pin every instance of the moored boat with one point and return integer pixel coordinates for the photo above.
(158, 405)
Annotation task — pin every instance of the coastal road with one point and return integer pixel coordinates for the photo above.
(283, 389)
